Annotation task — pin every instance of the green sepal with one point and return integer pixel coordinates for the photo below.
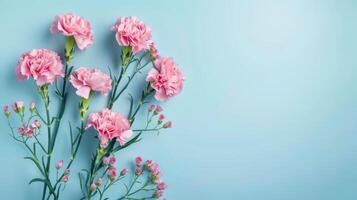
(69, 48)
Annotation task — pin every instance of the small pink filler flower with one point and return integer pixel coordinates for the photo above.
(87, 80)
(166, 78)
(76, 26)
(43, 65)
(132, 32)
(110, 125)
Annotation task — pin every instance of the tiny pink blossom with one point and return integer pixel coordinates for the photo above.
(166, 78)
(93, 186)
(76, 26)
(112, 173)
(36, 124)
(129, 31)
(32, 106)
(18, 106)
(99, 182)
(152, 108)
(167, 124)
(6, 111)
(106, 160)
(87, 80)
(43, 65)
(158, 193)
(161, 117)
(138, 171)
(112, 160)
(110, 125)
(65, 179)
(21, 131)
(138, 160)
(124, 171)
(162, 186)
(158, 109)
(59, 164)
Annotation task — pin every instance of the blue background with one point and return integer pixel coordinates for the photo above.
(269, 107)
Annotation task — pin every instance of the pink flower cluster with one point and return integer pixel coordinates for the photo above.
(132, 32)
(76, 26)
(112, 174)
(156, 109)
(166, 78)
(154, 174)
(87, 80)
(43, 65)
(110, 125)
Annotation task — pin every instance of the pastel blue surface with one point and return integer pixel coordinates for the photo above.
(269, 107)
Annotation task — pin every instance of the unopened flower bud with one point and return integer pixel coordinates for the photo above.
(32, 106)
(138, 171)
(99, 182)
(93, 186)
(6, 111)
(112, 160)
(162, 186)
(124, 171)
(18, 106)
(138, 160)
(36, 124)
(161, 117)
(158, 193)
(158, 109)
(59, 164)
(106, 160)
(65, 179)
(167, 124)
(152, 108)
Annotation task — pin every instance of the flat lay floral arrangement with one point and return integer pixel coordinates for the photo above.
(36, 125)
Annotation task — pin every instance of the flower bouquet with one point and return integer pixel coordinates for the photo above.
(37, 126)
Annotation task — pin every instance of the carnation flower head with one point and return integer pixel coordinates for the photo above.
(76, 26)
(43, 65)
(87, 80)
(110, 125)
(130, 31)
(166, 78)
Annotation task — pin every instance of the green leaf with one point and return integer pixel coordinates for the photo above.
(37, 180)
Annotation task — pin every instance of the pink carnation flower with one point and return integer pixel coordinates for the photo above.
(166, 78)
(43, 65)
(110, 125)
(76, 26)
(86, 80)
(132, 32)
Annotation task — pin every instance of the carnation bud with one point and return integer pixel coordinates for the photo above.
(112, 173)
(36, 124)
(21, 131)
(161, 117)
(152, 108)
(138, 160)
(158, 109)
(65, 179)
(138, 171)
(6, 111)
(106, 160)
(167, 124)
(112, 160)
(99, 182)
(124, 171)
(32, 106)
(162, 186)
(59, 164)
(158, 193)
(18, 107)
(93, 186)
